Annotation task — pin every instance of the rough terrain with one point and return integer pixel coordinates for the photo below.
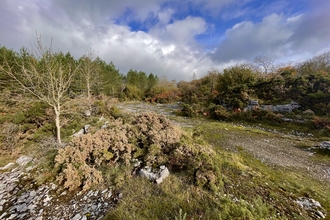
(22, 198)
(269, 146)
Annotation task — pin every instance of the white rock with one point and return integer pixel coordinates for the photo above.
(12, 216)
(33, 193)
(163, 174)
(7, 166)
(319, 213)
(325, 145)
(23, 160)
(76, 217)
(146, 172)
(3, 215)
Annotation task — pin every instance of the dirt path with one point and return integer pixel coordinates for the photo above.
(272, 148)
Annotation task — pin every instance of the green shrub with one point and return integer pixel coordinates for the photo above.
(219, 112)
(187, 110)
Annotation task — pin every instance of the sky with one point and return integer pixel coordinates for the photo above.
(176, 39)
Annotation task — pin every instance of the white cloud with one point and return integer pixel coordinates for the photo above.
(245, 40)
(172, 55)
(165, 16)
(181, 31)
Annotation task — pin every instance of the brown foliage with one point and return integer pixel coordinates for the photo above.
(119, 143)
(149, 137)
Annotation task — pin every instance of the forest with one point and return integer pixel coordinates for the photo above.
(48, 97)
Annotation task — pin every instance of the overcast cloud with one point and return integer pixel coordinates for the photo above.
(172, 38)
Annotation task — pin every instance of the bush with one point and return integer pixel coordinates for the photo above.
(149, 137)
(219, 112)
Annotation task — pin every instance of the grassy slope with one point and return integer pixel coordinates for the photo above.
(251, 189)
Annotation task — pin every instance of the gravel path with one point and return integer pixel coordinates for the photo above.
(280, 151)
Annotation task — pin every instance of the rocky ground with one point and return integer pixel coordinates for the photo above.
(270, 146)
(22, 198)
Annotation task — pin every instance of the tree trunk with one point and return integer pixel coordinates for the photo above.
(88, 88)
(58, 125)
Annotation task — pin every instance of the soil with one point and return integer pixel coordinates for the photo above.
(273, 148)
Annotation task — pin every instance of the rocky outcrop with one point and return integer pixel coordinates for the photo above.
(311, 205)
(22, 198)
(286, 108)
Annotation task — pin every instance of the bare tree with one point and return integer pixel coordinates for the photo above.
(89, 70)
(45, 75)
(265, 63)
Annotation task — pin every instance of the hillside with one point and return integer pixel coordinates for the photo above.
(249, 172)
(237, 144)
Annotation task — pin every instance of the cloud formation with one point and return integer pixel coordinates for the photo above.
(167, 37)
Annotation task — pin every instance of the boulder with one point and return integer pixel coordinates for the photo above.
(164, 173)
(157, 175)
(82, 131)
(253, 103)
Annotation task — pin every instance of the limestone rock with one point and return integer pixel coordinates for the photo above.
(23, 160)
(7, 166)
(88, 113)
(164, 173)
(157, 175)
(325, 145)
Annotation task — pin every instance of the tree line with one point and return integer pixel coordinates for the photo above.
(54, 78)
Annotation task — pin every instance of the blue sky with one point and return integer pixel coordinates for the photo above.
(172, 38)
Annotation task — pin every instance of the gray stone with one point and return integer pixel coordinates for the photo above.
(120, 196)
(7, 166)
(320, 214)
(76, 217)
(33, 193)
(88, 113)
(79, 133)
(287, 119)
(253, 103)
(325, 145)
(163, 174)
(3, 215)
(23, 160)
(21, 208)
(155, 175)
(147, 173)
(31, 207)
(12, 216)
(308, 204)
